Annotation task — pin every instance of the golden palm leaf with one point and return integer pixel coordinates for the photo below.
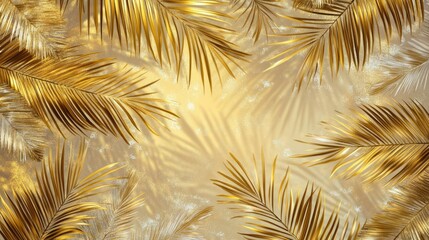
(179, 226)
(21, 132)
(408, 69)
(344, 32)
(406, 215)
(183, 32)
(78, 93)
(376, 142)
(36, 24)
(273, 213)
(258, 14)
(117, 219)
(311, 4)
(56, 207)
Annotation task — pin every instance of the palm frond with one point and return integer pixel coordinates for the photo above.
(258, 15)
(376, 142)
(36, 24)
(170, 29)
(344, 32)
(21, 132)
(78, 93)
(407, 70)
(406, 215)
(116, 220)
(179, 226)
(56, 207)
(271, 212)
(311, 4)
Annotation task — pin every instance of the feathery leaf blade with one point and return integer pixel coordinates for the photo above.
(407, 70)
(405, 216)
(272, 213)
(345, 32)
(22, 132)
(311, 4)
(180, 226)
(78, 94)
(258, 16)
(56, 207)
(376, 142)
(116, 220)
(169, 28)
(36, 24)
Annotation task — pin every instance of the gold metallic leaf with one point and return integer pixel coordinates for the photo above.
(271, 212)
(406, 215)
(407, 70)
(376, 142)
(77, 93)
(21, 131)
(179, 226)
(184, 32)
(119, 215)
(56, 207)
(344, 32)
(36, 24)
(258, 14)
(311, 4)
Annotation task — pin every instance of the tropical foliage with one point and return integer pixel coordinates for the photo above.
(53, 87)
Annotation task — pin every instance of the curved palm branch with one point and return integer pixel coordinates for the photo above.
(345, 32)
(116, 220)
(36, 24)
(56, 207)
(409, 69)
(78, 94)
(22, 132)
(180, 226)
(406, 216)
(272, 213)
(376, 142)
(258, 15)
(171, 29)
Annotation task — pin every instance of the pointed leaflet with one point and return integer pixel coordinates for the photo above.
(258, 15)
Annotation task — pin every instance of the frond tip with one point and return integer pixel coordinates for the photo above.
(258, 15)
(57, 205)
(344, 32)
(406, 215)
(272, 213)
(189, 35)
(376, 142)
(22, 133)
